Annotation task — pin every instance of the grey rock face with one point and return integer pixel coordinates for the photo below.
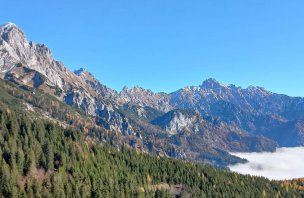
(254, 109)
(14, 48)
(78, 89)
(143, 97)
(95, 85)
(178, 121)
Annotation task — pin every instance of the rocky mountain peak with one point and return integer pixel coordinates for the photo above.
(144, 97)
(15, 48)
(258, 89)
(33, 65)
(125, 89)
(79, 71)
(211, 83)
(139, 90)
(86, 75)
(9, 26)
(11, 33)
(136, 92)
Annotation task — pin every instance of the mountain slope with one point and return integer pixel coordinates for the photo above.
(32, 65)
(254, 109)
(16, 52)
(154, 140)
(198, 123)
(41, 159)
(218, 135)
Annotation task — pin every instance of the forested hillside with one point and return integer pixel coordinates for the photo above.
(65, 134)
(40, 104)
(224, 118)
(42, 159)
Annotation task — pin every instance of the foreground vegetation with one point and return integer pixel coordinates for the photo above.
(42, 159)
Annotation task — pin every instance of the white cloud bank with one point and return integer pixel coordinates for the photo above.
(285, 163)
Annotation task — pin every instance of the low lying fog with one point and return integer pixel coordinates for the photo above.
(285, 163)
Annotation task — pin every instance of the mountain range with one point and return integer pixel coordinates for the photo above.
(196, 123)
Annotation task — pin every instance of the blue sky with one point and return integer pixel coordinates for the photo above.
(165, 45)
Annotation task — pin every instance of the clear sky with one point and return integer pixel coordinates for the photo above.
(165, 45)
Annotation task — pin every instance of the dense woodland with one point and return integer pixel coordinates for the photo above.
(42, 159)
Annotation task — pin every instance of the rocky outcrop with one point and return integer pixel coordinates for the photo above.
(95, 86)
(33, 65)
(14, 48)
(213, 133)
(143, 97)
(178, 121)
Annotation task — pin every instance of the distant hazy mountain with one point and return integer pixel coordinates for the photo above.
(200, 123)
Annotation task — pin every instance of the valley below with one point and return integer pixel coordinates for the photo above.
(283, 164)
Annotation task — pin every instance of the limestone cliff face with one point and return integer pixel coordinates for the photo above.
(254, 109)
(178, 121)
(33, 65)
(143, 97)
(14, 48)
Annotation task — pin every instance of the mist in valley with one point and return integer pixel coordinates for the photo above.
(285, 163)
